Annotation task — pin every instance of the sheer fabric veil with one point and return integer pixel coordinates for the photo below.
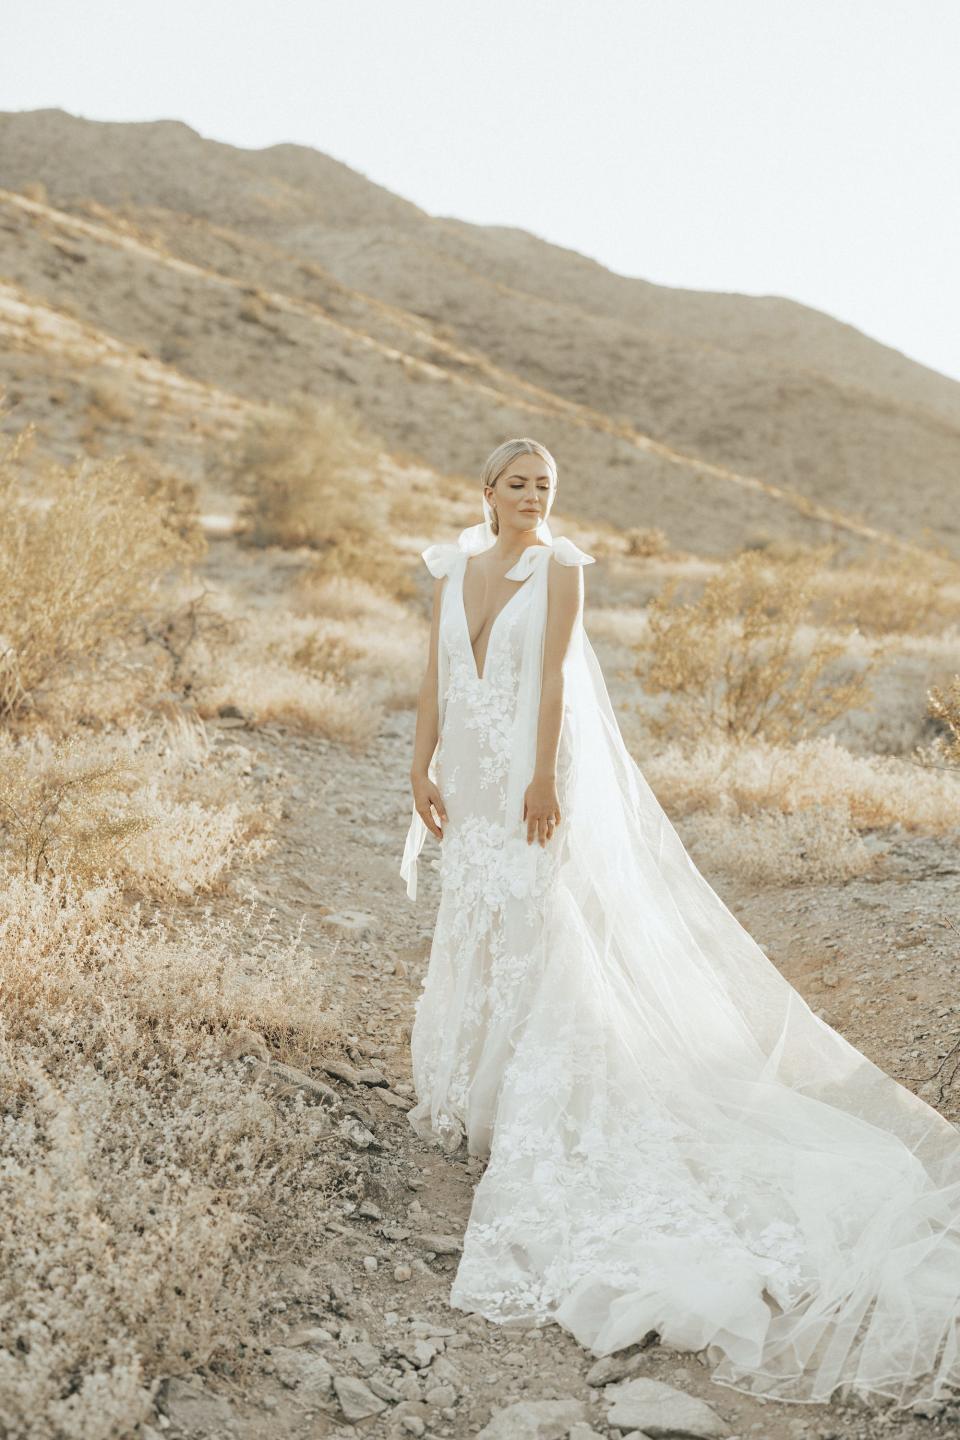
(775, 1108)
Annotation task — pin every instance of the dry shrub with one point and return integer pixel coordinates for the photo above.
(888, 594)
(366, 557)
(110, 400)
(645, 542)
(944, 705)
(82, 553)
(742, 660)
(158, 810)
(36, 190)
(307, 477)
(386, 641)
(816, 846)
(150, 1186)
(420, 509)
(266, 674)
(724, 777)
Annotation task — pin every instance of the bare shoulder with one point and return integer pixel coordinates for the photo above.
(563, 578)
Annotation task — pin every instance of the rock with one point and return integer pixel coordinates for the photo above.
(534, 1420)
(621, 1366)
(662, 1412)
(370, 1264)
(340, 1069)
(427, 1329)
(583, 1431)
(389, 1097)
(353, 922)
(425, 1351)
(357, 1400)
(440, 1244)
(316, 1090)
(928, 1409)
(420, 1352)
(446, 1373)
(302, 1370)
(408, 1386)
(366, 1355)
(413, 1424)
(310, 1335)
(370, 1211)
(390, 1231)
(358, 1135)
(440, 1395)
(381, 1388)
(230, 712)
(190, 1406)
(243, 1042)
(402, 1272)
(371, 1076)
(350, 1107)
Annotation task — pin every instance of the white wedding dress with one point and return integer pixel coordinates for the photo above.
(674, 1141)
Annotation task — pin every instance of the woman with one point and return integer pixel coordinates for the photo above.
(673, 1140)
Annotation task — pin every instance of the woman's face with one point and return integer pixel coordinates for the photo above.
(522, 495)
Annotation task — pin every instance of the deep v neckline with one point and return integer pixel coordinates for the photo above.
(521, 585)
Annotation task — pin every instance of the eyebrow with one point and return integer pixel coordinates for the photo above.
(515, 476)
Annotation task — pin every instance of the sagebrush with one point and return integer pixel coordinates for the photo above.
(745, 660)
(83, 550)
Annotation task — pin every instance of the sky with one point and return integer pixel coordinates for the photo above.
(803, 148)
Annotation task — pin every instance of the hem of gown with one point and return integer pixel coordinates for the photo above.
(859, 1398)
(443, 1127)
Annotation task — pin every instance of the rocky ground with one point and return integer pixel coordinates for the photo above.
(362, 1337)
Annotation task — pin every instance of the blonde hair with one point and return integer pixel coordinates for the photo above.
(504, 455)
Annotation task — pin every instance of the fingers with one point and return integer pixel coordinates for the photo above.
(542, 827)
(433, 802)
(438, 805)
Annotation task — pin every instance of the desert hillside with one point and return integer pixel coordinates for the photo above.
(260, 274)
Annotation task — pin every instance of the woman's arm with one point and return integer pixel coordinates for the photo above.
(564, 604)
(425, 793)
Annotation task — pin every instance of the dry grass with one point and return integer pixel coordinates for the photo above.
(743, 661)
(145, 1175)
(325, 677)
(884, 594)
(809, 847)
(944, 705)
(797, 813)
(724, 777)
(645, 542)
(152, 1185)
(83, 551)
(158, 810)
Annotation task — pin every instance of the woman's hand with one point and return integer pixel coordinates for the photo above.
(425, 795)
(541, 808)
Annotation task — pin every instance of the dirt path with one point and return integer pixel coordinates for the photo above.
(362, 1322)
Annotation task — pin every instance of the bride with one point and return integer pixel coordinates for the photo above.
(673, 1140)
